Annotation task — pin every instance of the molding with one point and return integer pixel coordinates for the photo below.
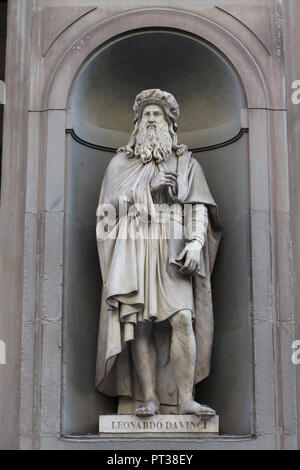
(224, 43)
(194, 150)
(221, 144)
(89, 144)
(228, 12)
(79, 12)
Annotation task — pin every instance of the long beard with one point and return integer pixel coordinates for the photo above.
(153, 143)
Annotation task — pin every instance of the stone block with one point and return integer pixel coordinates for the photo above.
(183, 425)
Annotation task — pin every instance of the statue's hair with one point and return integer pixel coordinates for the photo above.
(129, 148)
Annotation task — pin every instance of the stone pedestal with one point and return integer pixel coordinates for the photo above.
(159, 425)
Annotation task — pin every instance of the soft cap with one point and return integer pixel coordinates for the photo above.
(156, 96)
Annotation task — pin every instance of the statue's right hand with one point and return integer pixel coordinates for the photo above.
(163, 179)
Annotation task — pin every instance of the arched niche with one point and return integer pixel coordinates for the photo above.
(210, 98)
(202, 82)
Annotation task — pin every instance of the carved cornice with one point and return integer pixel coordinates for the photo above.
(252, 73)
(242, 16)
(56, 20)
(194, 150)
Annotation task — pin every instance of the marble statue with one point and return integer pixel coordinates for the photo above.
(158, 233)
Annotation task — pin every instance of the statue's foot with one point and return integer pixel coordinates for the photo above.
(193, 407)
(149, 408)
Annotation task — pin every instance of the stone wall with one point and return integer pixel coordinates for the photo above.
(49, 45)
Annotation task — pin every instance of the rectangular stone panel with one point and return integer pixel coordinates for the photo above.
(159, 424)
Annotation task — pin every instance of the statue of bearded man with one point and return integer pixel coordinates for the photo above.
(158, 233)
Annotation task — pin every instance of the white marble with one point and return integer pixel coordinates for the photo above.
(163, 275)
(158, 424)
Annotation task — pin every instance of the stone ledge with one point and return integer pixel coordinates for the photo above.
(179, 425)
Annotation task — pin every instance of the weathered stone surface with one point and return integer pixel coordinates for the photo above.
(162, 424)
(36, 153)
(258, 19)
(57, 19)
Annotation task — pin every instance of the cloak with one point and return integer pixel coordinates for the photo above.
(127, 179)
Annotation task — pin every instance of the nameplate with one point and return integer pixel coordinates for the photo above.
(174, 424)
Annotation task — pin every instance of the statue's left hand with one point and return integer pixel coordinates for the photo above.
(192, 259)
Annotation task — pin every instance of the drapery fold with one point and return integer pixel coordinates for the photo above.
(125, 208)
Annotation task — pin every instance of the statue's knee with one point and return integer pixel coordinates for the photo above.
(182, 320)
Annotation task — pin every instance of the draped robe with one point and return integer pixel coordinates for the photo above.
(123, 265)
